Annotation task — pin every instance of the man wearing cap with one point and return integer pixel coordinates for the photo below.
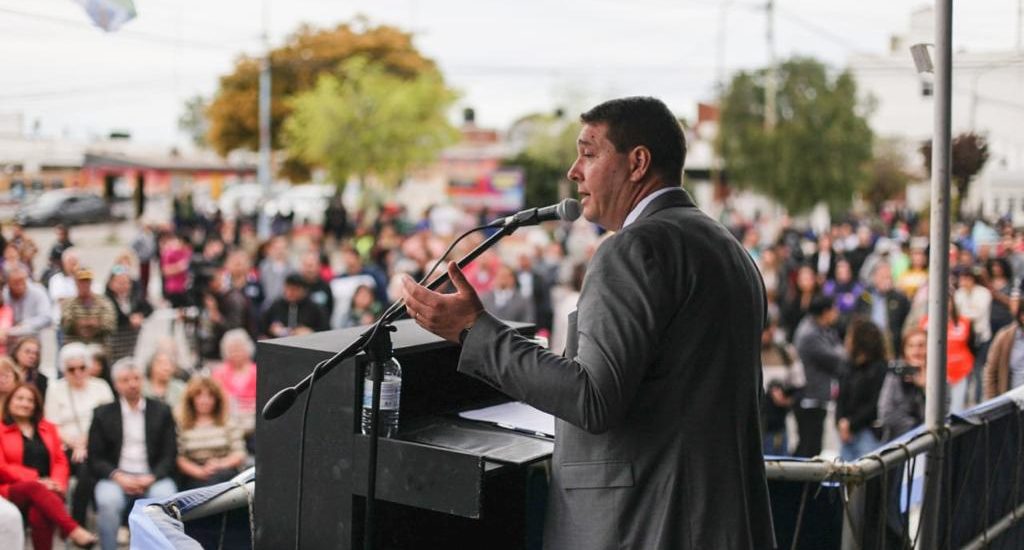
(88, 317)
(293, 313)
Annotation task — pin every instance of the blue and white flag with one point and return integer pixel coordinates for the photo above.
(109, 15)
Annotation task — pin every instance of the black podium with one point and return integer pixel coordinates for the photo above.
(444, 482)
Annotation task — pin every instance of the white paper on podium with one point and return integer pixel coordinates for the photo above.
(516, 416)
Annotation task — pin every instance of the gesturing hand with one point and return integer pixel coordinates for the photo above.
(443, 314)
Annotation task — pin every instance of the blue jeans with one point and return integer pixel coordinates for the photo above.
(863, 442)
(111, 503)
(775, 443)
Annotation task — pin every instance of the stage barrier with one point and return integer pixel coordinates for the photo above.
(872, 502)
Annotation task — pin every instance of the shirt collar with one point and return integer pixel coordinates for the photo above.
(639, 208)
(126, 407)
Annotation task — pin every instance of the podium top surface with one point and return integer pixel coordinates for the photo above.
(408, 337)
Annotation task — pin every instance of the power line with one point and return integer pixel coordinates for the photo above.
(128, 33)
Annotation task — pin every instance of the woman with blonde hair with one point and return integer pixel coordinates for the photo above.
(210, 445)
(9, 378)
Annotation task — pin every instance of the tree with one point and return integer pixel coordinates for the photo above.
(193, 120)
(369, 121)
(888, 176)
(970, 153)
(233, 113)
(819, 147)
(550, 150)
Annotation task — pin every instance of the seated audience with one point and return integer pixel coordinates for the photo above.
(237, 376)
(34, 471)
(25, 354)
(9, 378)
(132, 450)
(69, 405)
(160, 382)
(210, 446)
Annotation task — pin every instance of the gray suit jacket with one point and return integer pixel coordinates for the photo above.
(658, 439)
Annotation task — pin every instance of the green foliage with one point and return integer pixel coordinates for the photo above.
(819, 148)
(232, 114)
(970, 153)
(368, 120)
(550, 150)
(193, 120)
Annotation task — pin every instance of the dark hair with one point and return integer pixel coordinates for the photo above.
(37, 413)
(820, 304)
(867, 344)
(1007, 272)
(647, 122)
(294, 279)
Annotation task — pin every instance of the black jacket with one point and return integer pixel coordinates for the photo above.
(858, 395)
(106, 434)
(898, 307)
(303, 313)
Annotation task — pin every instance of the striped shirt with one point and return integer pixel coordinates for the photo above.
(201, 443)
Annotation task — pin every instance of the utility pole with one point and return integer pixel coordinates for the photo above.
(938, 282)
(264, 168)
(770, 83)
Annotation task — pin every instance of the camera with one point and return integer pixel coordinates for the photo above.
(899, 368)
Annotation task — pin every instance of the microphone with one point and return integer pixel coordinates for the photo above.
(567, 210)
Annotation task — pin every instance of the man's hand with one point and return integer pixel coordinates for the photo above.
(443, 314)
(129, 483)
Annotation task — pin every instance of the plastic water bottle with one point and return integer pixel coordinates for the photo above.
(390, 398)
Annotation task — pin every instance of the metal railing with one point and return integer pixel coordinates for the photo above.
(854, 479)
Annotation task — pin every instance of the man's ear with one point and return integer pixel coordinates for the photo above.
(639, 163)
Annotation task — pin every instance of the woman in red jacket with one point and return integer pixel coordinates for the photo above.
(34, 470)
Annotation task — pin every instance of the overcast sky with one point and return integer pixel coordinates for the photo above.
(506, 58)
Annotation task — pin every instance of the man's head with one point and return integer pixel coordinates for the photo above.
(238, 263)
(505, 279)
(127, 376)
(881, 277)
(627, 148)
(83, 282)
(17, 281)
(294, 288)
(824, 311)
(309, 266)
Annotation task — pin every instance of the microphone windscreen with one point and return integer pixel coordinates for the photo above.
(569, 210)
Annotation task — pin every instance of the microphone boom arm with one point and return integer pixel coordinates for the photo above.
(282, 400)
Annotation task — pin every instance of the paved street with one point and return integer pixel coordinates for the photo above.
(99, 245)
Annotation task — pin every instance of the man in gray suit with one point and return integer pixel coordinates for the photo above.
(658, 441)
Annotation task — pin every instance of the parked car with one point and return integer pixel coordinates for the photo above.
(63, 206)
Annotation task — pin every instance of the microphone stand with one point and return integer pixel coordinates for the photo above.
(376, 342)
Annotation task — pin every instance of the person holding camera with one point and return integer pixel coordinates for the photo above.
(901, 401)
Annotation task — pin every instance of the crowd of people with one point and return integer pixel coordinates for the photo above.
(849, 314)
(123, 419)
